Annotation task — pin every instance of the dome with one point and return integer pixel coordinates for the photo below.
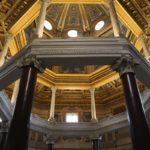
(80, 17)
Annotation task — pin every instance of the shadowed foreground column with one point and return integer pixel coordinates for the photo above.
(2, 140)
(50, 146)
(17, 138)
(3, 134)
(139, 128)
(96, 144)
(138, 125)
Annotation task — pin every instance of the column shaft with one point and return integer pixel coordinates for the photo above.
(138, 126)
(114, 18)
(93, 108)
(2, 140)
(5, 50)
(41, 19)
(15, 92)
(96, 144)
(52, 107)
(50, 146)
(17, 138)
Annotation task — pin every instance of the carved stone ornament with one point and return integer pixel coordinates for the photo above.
(49, 139)
(125, 64)
(31, 60)
(4, 126)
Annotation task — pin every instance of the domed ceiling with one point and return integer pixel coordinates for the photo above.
(83, 18)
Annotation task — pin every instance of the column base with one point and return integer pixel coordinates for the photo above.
(94, 120)
(52, 120)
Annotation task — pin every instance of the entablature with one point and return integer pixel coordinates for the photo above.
(92, 51)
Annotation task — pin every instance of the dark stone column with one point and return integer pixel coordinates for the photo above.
(96, 144)
(138, 125)
(3, 135)
(139, 129)
(50, 146)
(17, 138)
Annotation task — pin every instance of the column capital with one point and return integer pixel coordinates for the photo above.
(109, 1)
(8, 36)
(142, 36)
(53, 88)
(96, 136)
(31, 60)
(125, 64)
(49, 142)
(92, 89)
(4, 127)
(45, 1)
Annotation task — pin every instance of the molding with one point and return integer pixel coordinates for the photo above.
(124, 65)
(94, 51)
(31, 61)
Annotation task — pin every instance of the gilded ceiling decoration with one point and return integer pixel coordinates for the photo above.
(139, 10)
(54, 12)
(12, 10)
(82, 17)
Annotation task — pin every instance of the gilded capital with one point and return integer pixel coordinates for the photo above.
(53, 88)
(92, 89)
